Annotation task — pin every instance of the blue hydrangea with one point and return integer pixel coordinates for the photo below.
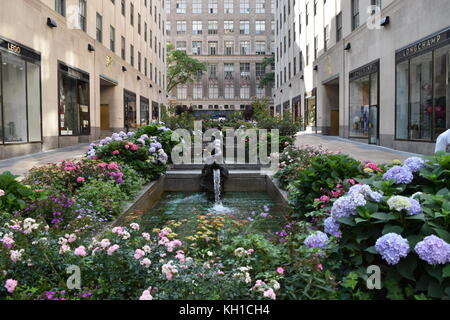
(346, 206)
(400, 203)
(401, 175)
(331, 226)
(392, 247)
(317, 240)
(414, 164)
(433, 250)
(366, 191)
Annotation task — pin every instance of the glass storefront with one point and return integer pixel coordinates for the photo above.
(155, 111)
(363, 110)
(20, 94)
(145, 111)
(423, 89)
(129, 110)
(74, 109)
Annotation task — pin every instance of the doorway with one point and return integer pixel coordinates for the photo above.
(331, 102)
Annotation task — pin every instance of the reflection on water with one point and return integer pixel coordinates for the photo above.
(256, 207)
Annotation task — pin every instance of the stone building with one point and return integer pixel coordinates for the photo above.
(74, 70)
(232, 37)
(376, 71)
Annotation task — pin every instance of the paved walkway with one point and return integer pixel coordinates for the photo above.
(358, 150)
(21, 165)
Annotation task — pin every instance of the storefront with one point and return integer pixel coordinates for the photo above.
(145, 111)
(286, 109)
(20, 94)
(129, 110)
(364, 105)
(423, 89)
(155, 110)
(296, 105)
(74, 106)
(310, 118)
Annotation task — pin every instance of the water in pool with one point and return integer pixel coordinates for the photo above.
(178, 206)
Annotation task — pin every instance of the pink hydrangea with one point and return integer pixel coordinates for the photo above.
(80, 180)
(280, 270)
(116, 152)
(134, 226)
(11, 285)
(138, 254)
(112, 249)
(270, 294)
(80, 251)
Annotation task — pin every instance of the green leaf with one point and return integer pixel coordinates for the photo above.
(392, 229)
(347, 221)
(381, 216)
(420, 217)
(372, 250)
(446, 271)
(434, 289)
(406, 267)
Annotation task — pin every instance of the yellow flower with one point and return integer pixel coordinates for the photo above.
(397, 162)
(368, 170)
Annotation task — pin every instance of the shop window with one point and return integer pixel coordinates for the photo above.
(423, 94)
(20, 99)
(145, 111)
(74, 113)
(129, 110)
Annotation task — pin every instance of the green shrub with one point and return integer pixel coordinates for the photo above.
(321, 175)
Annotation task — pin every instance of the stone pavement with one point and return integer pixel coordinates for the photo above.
(358, 150)
(21, 165)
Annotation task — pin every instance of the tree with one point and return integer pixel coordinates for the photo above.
(181, 68)
(269, 77)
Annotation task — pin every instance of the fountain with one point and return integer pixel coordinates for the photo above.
(214, 175)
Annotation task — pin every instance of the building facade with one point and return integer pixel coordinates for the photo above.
(232, 37)
(75, 70)
(376, 71)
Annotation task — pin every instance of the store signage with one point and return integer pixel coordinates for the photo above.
(424, 45)
(365, 70)
(12, 47)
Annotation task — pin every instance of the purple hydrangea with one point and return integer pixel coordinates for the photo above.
(392, 247)
(317, 240)
(401, 175)
(346, 206)
(332, 227)
(366, 191)
(433, 250)
(414, 164)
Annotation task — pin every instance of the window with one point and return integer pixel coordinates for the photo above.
(245, 70)
(339, 27)
(168, 28)
(229, 91)
(355, 14)
(60, 7)
(228, 26)
(181, 28)
(316, 49)
(229, 71)
(112, 38)
(129, 110)
(213, 91)
(363, 95)
(228, 6)
(212, 71)
(326, 37)
(99, 28)
(181, 46)
(245, 47)
(260, 26)
(197, 6)
(244, 27)
(196, 48)
(181, 92)
(123, 50)
(245, 92)
(423, 95)
(132, 14)
(145, 112)
(167, 4)
(122, 7)
(212, 6)
(244, 6)
(260, 47)
(74, 113)
(132, 55)
(21, 98)
(260, 6)
(260, 92)
(229, 47)
(197, 91)
(197, 27)
(213, 26)
(82, 15)
(181, 6)
(212, 48)
(260, 70)
(139, 23)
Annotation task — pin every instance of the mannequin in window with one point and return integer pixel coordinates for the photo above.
(443, 142)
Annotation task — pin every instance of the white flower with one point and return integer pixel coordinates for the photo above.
(147, 249)
(16, 255)
(126, 235)
(146, 295)
(2, 192)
